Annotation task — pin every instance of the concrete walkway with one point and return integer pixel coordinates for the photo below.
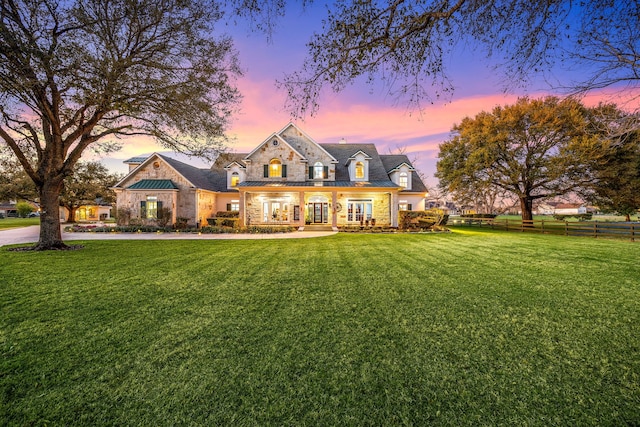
(30, 234)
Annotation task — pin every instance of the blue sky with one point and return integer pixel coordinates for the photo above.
(360, 114)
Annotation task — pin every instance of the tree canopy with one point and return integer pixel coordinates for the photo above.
(534, 149)
(615, 184)
(77, 74)
(405, 45)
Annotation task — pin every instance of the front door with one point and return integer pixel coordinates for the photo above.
(317, 213)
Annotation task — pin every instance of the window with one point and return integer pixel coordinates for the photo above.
(359, 210)
(275, 168)
(149, 208)
(275, 211)
(403, 180)
(359, 170)
(234, 205)
(235, 179)
(318, 170)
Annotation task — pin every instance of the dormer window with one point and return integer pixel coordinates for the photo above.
(275, 168)
(235, 179)
(403, 180)
(359, 166)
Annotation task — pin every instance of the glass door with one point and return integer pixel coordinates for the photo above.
(317, 213)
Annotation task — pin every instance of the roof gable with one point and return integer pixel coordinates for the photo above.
(298, 138)
(274, 139)
(195, 177)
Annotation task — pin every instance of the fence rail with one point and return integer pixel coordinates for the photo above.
(625, 230)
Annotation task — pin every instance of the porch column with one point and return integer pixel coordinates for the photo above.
(303, 209)
(174, 207)
(334, 214)
(242, 210)
(393, 207)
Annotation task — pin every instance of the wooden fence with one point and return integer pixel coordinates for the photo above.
(624, 230)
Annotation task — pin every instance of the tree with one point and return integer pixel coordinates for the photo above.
(24, 209)
(405, 44)
(15, 184)
(616, 176)
(77, 74)
(90, 183)
(534, 149)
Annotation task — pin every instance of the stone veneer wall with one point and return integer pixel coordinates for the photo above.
(253, 207)
(380, 207)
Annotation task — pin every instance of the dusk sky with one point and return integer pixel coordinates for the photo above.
(360, 114)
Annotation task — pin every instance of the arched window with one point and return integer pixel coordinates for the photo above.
(359, 170)
(275, 168)
(318, 170)
(404, 180)
(235, 179)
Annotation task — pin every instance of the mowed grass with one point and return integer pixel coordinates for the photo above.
(469, 328)
(6, 223)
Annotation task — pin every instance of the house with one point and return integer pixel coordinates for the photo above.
(288, 179)
(8, 209)
(93, 212)
(570, 209)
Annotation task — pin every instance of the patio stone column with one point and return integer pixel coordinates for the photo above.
(334, 214)
(303, 209)
(393, 207)
(242, 209)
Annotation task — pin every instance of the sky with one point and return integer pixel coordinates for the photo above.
(360, 114)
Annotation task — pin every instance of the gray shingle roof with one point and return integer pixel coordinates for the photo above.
(392, 161)
(200, 178)
(353, 184)
(342, 153)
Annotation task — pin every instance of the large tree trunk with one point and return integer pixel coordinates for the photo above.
(50, 235)
(526, 207)
(72, 213)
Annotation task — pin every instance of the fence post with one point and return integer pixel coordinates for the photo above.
(542, 226)
(566, 228)
(595, 229)
(633, 232)
(506, 224)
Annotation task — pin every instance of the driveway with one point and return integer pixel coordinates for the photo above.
(30, 234)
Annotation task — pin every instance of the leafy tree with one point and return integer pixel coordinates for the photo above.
(534, 149)
(15, 184)
(76, 74)
(616, 177)
(90, 183)
(405, 44)
(24, 209)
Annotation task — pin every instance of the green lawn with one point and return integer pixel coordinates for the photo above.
(469, 328)
(18, 222)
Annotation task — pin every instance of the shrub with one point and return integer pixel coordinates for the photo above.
(24, 209)
(422, 220)
(228, 214)
(181, 223)
(123, 216)
(579, 217)
(164, 216)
